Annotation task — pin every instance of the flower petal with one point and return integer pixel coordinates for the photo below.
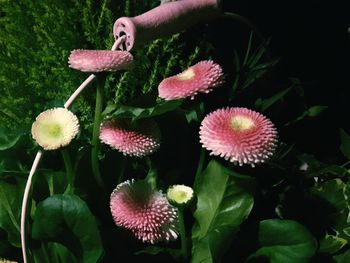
(146, 212)
(201, 77)
(99, 60)
(240, 135)
(55, 128)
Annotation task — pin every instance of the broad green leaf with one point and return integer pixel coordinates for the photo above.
(345, 144)
(263, 105)
(343, 258)
(316, 110)
(53, 252)
(10, 207)
(8, 138)
(335, 196)
(331, 244)
(285, 241)
(136, 113)
(224, 201)
(66, 219)
(333, 192)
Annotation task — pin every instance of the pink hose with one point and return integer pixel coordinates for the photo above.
(164, 20)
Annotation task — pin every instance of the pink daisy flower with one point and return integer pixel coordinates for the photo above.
(134, 139)
(201, 77)
(99, 60)
(146, 212)
(240, 135)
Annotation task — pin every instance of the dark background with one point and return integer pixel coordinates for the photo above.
(313, 40)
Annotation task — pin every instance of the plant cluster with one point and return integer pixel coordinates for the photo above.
(187, 156)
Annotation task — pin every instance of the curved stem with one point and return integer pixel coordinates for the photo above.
(69, 170)
(77, 92)
(24, 204)
(182, 232)
(39, 154)
(118, 43)
(95, 134)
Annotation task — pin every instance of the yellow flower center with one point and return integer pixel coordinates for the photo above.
(53, 130)
(186, 75)
(180, 196)
(241, 123)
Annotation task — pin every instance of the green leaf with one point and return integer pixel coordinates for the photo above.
(335, 195)
(331, 244)
(53, 253)
(316, 110)
(317, 168)
(224, 201)
(66, 219)
(249, 46)
(56, 182)
(263, 105)
(343, 258)
(136, 113)
(345, 143)
(196, 113)
(257, 55)
(333, 192)
(10, 207)
(285, 241)
(8, 139)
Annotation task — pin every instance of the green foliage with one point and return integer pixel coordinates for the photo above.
(343, 258)
(224, 202)
(332, 244)
(10, 200)
(8, 138)
(135, 113)
(253, 66)
(152, 63)
(54, 253)
(285, 241)
(310, 193)
(345, 144)
(71, 224)
(263, 105)
(34, 50)
(336, 194)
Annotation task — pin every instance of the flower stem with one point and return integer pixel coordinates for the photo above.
(25, 203)
(182, 231)
(95, 134)
(69, 170)
(199, 167)
(121, 170)
(77, 92)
